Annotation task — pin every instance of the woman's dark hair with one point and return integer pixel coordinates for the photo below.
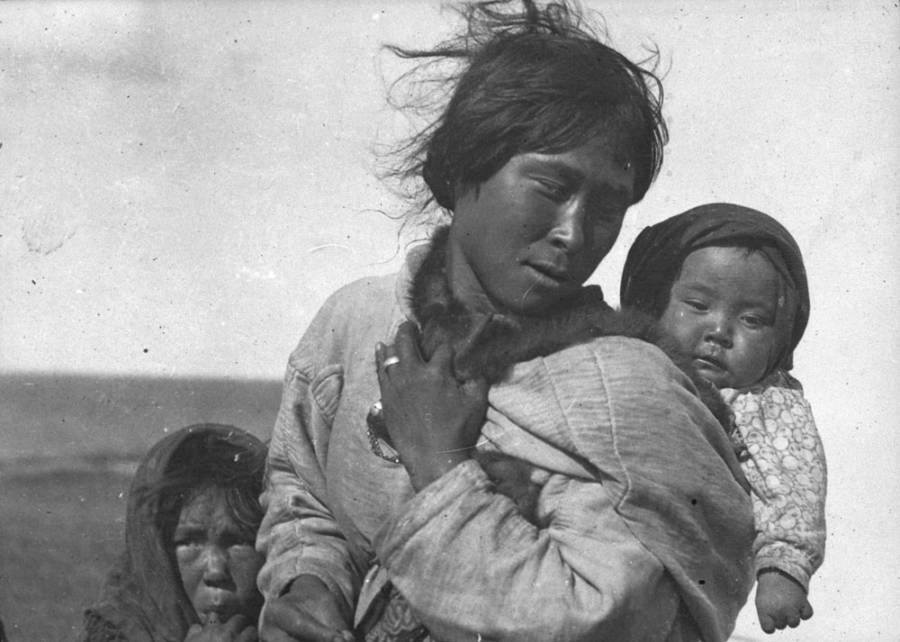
(209, 460)
(534, 80)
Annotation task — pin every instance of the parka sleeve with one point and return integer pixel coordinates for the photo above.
(472, 567)
(786, 467)
(299, 534)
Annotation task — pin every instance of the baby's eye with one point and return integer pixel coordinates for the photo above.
(755, 321)
(696, 304)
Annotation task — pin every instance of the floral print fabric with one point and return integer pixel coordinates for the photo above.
(783, 459)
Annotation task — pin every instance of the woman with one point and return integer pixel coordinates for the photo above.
(189, 567)
(395, 530)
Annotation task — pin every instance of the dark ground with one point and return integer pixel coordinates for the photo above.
(68, 448)
(60, 533)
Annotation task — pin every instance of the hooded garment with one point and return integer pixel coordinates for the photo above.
(629, 481)
(142, 599)
(655, 259)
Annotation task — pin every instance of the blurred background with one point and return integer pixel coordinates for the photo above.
(183, 183)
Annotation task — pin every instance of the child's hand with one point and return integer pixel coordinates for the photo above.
(236, 629)
(780, 601)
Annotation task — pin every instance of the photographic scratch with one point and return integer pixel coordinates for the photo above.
(328, 246)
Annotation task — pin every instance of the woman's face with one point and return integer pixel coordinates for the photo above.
(530, 236)
(216, 559)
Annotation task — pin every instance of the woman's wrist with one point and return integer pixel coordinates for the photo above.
(425, 468)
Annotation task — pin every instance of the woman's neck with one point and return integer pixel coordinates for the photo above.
(464, 284)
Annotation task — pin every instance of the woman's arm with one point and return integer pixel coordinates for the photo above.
(467, 560)
(470, 565)
(299, 534)
(308, 580)
(661, 529)
(309, 562)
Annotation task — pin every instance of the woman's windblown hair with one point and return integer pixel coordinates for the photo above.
(528, 78)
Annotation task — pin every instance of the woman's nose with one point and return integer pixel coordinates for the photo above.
(568, 232)
(215, 569)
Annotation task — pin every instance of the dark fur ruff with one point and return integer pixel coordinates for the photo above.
(487, 345)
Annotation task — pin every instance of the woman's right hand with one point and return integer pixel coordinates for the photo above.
(308, 612)
(433, 420)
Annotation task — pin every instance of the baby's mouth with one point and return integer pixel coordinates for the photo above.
(709, 361)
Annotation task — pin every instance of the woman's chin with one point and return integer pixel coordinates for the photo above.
(541, 299)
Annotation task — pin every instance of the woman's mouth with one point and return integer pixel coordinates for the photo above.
(548, 273)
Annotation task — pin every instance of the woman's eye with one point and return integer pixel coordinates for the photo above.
(553, 189)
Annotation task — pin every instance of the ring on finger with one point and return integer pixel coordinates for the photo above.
(393, 360)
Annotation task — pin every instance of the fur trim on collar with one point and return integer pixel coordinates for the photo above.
(486, 345)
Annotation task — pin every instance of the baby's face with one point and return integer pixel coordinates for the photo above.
(721, 313)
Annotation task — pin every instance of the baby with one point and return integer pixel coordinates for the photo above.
(729, 288)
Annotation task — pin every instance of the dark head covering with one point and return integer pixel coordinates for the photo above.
(143, 599)
(655, 259)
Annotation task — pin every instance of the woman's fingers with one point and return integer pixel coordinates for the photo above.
(404, 355)
(406, 344)
(442, 359)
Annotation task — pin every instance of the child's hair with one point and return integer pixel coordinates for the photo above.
(533, 80)
(655, 259)
(229, 461)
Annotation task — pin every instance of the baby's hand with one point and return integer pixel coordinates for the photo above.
(780, 602)
(516, 479)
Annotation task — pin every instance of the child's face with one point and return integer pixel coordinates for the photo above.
(216, 559)
(721, 313)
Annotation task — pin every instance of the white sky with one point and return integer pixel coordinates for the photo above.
(183, 183)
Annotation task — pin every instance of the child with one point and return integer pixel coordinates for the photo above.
(729, 288)
(189, 567)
